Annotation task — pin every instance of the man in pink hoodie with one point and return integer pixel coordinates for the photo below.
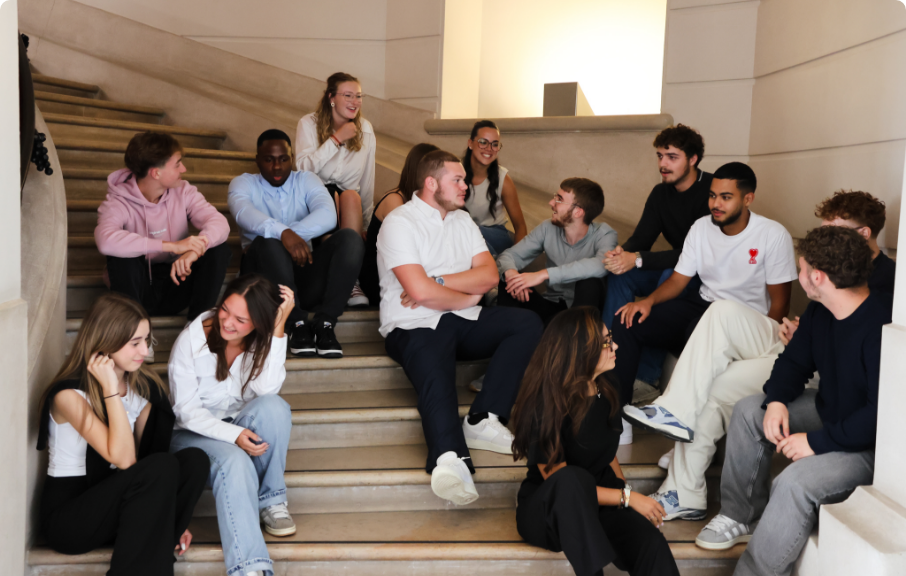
(143, 229)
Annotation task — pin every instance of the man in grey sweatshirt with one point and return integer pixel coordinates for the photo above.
(574, 246)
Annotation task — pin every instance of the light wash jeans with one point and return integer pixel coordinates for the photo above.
(784, 519)
(497, 238)
(244, 485)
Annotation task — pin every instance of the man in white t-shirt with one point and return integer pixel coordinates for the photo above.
(746, 264)
(434, 268)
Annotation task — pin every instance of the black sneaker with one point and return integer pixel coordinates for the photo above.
(326, 340)
(302, 341)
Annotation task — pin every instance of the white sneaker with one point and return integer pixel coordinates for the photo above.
(357, 298)
(489, 434)
(626, 436)
(665, 460)
(452, 481)
(476, 384)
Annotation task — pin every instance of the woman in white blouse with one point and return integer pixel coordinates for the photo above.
(338, 145)
(225, 371)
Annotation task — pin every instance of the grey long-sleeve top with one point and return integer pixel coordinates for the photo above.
(566, 264)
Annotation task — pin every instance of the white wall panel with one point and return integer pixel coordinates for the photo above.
(720, 111)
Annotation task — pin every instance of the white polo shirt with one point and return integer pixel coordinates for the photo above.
(740, 267)
(415, 233)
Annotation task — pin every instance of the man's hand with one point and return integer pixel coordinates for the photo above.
(517, 283)
(627, 313)
(182, 267)
(297, 247)
(617, 261)
(408, 301)
(787, 329)
(346, 132)
(198, 244)
(796, 447)
(520, 295)
(776, 423)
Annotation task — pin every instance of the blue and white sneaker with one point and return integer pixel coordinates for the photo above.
(670, 501)
(656, 419)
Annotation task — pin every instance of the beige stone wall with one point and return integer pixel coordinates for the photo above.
(393, 46)
(13, 309)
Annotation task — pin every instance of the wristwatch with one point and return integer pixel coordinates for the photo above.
(638, 259)
(626, 493)
(439, 280)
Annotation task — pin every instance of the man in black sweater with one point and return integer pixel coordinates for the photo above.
(829, 434)
(673, 205)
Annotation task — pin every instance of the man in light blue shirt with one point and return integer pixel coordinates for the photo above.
(280, 213)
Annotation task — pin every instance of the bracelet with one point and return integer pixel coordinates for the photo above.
(336, 140)
(111, 396)
(626, 493)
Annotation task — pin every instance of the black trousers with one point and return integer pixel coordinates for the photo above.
(589, 292)
(322, 287)
(142, 510)
(159, 295)
(505, 335)
(562, 514)
(668, 326)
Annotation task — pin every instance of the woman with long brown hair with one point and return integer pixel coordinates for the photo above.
(106, 422)
(567, 425)
(225, 371)
(391, 200)
(338, 145)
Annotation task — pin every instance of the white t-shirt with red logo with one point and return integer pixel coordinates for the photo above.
(740, 267)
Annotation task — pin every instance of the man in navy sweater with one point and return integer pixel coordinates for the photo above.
(829, 433)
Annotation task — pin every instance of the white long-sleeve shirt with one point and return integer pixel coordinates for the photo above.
(337, 164)
(199, 401)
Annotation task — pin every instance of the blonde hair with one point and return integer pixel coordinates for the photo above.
(109, 325)
(324, 117)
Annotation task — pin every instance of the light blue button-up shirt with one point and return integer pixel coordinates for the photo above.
(302, 204)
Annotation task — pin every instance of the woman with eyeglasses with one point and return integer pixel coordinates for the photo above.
(566, 423)
(338, 145)
(491, 190)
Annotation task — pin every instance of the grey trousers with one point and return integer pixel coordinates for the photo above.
(785, 515)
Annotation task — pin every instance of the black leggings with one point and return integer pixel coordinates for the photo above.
(142, 510)
(563, 514)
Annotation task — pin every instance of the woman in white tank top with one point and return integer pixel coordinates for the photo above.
(106, 421)
(491, 190)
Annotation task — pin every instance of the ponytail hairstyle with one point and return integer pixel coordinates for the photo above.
(493, 169)
(556, 384)
(324, 115)
(109, 325)
(263, 300)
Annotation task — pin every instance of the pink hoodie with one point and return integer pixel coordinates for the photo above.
(130, 226)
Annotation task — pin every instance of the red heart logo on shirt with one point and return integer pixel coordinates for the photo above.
(753, 253)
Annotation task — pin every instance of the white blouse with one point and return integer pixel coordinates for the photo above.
(337, 164)
(66, 448)
(199, 400)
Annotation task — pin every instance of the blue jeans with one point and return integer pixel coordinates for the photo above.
(244, 485)
(497, 238)
(623, 289)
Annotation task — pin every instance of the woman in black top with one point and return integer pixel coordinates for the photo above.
(566, 420)
(368, 277)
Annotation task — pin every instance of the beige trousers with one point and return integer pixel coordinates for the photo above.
(728, 357)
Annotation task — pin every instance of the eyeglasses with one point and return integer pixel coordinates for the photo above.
(608, 342)
(350, 96)
(556, 201)
(484, 143)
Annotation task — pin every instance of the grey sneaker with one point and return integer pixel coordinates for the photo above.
(277, 521)
(644, 393)
(722, 532)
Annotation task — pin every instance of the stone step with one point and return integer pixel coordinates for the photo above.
(49, 102)
(87, 193)
(101, 155)
(83, 222)
(69, 126)
(439, 542)
(67, 87)
(83, 256)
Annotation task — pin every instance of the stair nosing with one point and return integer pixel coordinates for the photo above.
(96, 103)
(63, 83)
(54, 118)
(106, 146)
(361, 415)
(102, 174)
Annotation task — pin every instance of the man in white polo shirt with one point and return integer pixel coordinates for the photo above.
(434, 268)
(746, 264)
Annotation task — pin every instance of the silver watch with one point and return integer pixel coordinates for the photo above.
(439, 280)
(638, 259)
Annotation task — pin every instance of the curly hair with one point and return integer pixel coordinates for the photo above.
(841, 253)
(683, 137)
(324, 116)
(860, 207)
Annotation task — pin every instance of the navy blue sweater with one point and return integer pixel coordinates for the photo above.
(847, 355)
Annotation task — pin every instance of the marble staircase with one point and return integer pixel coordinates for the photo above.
(355, 473)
